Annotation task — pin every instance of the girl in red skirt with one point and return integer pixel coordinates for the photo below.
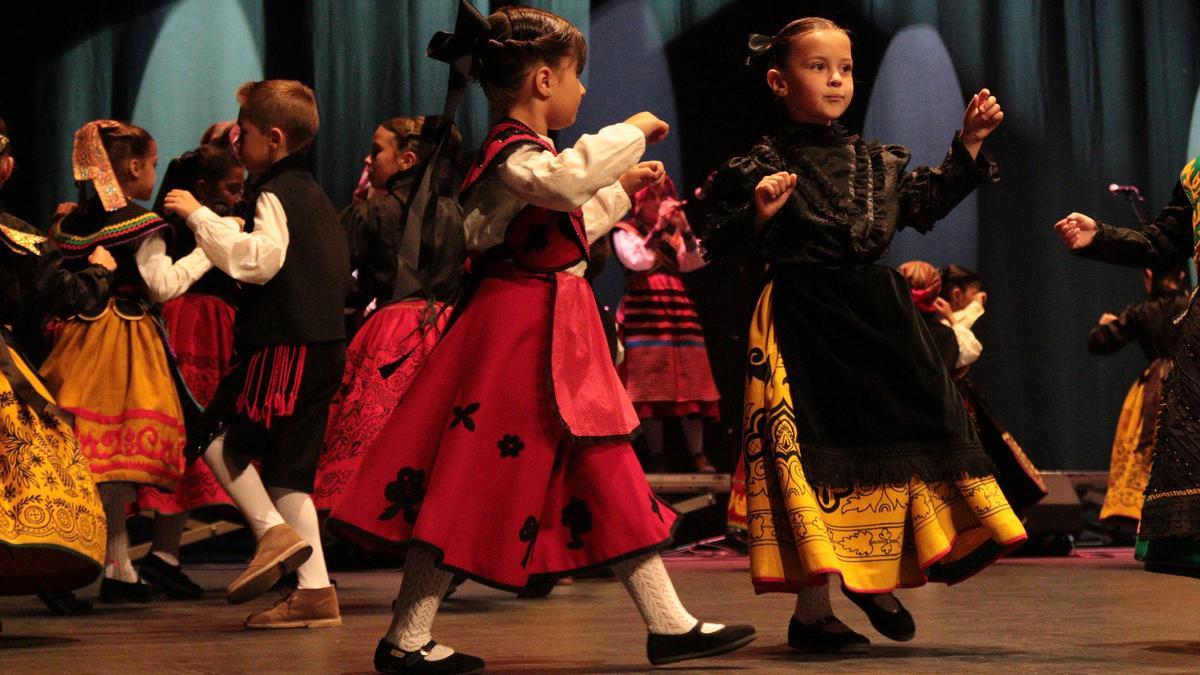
(408, 281)
(666, 369)
(509, 458)
(200, 326)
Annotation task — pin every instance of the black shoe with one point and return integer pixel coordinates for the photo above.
(391, 659)
(817, 638)
(897, 625)
(115, 592)
(538, 588)
(694, 644)
(65, 603)
(167, 577)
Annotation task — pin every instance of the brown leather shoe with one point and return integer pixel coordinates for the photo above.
(280, 551)
(302, 608)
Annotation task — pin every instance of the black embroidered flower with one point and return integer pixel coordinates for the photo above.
(656, 508)
(406, 494)
(528, 534)
(462, 415)
(24, 416)
(7, 398)
(48, 419)
(510, 446)
(576, 516)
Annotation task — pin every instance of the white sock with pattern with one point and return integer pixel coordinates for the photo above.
(421, 592)
(650, 586)
(116, 497)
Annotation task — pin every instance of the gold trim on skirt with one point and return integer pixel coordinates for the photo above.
(876, 537)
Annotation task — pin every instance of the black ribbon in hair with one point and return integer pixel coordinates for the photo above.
(759, 45)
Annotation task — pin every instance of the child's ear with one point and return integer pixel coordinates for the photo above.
(955, 296)
(202, 189)
(135, 167)
(543, 81)
(777, 83)
(276, 137)
(408, 159)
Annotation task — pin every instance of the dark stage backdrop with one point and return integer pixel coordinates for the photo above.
(1095, 92)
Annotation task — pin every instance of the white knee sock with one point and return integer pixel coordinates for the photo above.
(116, 497)
(245, 489)
(812, 604)
(421, 592)
(298, 511)
(647, 582)
(167, 532)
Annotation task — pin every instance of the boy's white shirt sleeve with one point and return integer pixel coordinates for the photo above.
(168, 279)
(249, 257)
(969, 347)
(575, 176)
(631, 251)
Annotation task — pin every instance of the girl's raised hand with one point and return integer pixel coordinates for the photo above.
(181, 202)
(1076, 230)
(982, 117)
(771, 194)
(643, 174)
(654, 129)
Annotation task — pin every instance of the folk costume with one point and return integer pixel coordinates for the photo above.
(1150, 323)
(52, 525)
(861, 459)
(666, 369)
(410, 280)
(1169, 533)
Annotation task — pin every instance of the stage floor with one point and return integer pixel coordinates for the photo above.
(1090, 614)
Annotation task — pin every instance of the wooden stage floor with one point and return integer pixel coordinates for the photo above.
(1099, 613)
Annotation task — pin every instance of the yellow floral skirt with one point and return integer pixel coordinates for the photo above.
(1133, 445)
(113, 374)
(875, 537)
(51, 521)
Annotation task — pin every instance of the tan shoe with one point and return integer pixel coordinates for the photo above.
(302, 608)
(280, 551)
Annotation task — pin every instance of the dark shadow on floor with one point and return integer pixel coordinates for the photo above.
(32, 641)
(1183, 648)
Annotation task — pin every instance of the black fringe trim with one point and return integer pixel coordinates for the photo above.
(845, 468)
(1171, 518)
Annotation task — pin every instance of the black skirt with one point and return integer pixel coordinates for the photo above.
(874, 403)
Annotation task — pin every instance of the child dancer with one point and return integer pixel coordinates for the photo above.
(52, 531)
(200, 326)
(294, 270)
(408, 281)
(666, 369)
(861, 460)
(110, 365)
(1150, 323)
(950, 320)
(508, 459)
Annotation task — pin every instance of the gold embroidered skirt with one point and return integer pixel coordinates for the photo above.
(1133, 445)
(51, 521)
(112, 372)
(875, 537)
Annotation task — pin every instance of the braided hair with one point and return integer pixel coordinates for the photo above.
(773, 50)
(525, 37)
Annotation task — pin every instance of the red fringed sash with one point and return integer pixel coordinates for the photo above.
(272, 383)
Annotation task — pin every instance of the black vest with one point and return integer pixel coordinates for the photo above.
(303, 302)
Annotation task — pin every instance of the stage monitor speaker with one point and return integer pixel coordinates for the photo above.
(1059, 512)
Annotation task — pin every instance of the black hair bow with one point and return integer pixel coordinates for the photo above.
(759, 45)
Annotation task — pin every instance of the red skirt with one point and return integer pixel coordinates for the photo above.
(666, 369)
(200, 327)
(477, 464)
(392, 339)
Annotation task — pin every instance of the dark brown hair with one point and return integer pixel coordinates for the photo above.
(123, 142)
(417, 134)
(957, 276)
(537, 37)
(781, 45)
(285, 104)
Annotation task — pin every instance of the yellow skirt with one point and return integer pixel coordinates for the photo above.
(876, 537)
(1133, 446)
(112, 373)
(51, 521)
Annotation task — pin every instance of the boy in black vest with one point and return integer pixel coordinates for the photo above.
(293, 266)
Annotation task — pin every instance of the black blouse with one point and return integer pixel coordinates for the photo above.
(34, 279)
(1150, 323)
(851, 197)
(1164, 241)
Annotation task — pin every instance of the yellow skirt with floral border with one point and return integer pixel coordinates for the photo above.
(113, 374)
(875, 537)
(1133, 445)
(52, 528)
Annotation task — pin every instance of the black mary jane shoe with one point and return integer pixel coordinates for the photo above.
(391, 659)
(696, 644)
(895, 625)
(117, 592)
(170, 579)
(65, 603)
(817, 638)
